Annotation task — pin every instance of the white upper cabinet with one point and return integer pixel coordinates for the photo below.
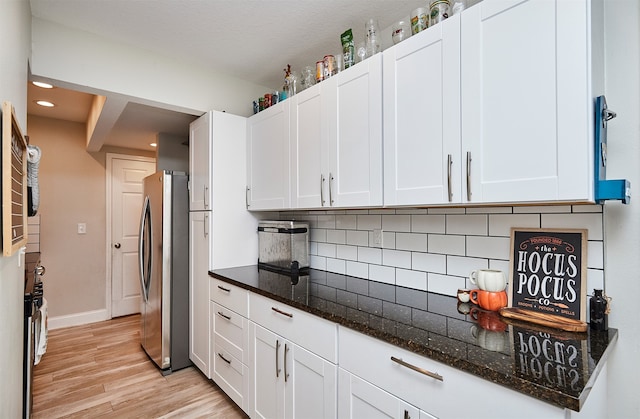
(268, 158)
(336, 140)
(200, 137)
(527, 100)
(422, 162)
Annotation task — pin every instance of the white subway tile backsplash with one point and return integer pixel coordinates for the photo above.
(370, 255)
(443, 284)
(411, 279)
(358, 269)
(369, 222)
(437, 248)
(449, 245)
(336, 265)
(411, 241)
(380, 273)
(592, 222)
(500, 225)
(429, 262)
(327, 250)
(396, 223)
(396, 258)
(318, 235)
(326, 221)
(467, 224)
(346, 222)
(595, 254)
(462, 266)
(347, 252)
(336, 236)
(428, 224)
(488, 247)
(586, 208)
(318, 262)
(357, 238)
(542, 209)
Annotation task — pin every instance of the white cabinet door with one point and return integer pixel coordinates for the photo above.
(422, 162)
(360, 399)
(200, 163)
(527, 101)
(266, 374)
(268, 158)
(355, 136)
(199, 225)
(309, 147)
(311, 387)
(288, 381)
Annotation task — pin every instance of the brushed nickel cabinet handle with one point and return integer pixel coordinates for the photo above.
(468, 176)
(449, 164)
(224, 315)
(330, 191)
(246, 197)
(206, 196)
(286, 374)
(418, 369)
(223, 288)
(321, 190)
(277, 363)
(206, 225)
(228, 361)
(284, 313)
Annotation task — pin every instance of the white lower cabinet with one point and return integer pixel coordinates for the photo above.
(199, 350)
(360, 399)
(288, 381)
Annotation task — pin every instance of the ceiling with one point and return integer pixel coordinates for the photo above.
(250, 39)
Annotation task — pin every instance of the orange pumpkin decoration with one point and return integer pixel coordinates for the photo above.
(488, 300)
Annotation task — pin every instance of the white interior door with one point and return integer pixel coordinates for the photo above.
(127, 173)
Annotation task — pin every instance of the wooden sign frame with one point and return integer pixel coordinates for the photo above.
(14, 183)
(548, 271)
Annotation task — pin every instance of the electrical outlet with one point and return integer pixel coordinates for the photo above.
(82, 228)
(377, 237)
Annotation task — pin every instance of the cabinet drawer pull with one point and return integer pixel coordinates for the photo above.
(284, 313)
(330, 191)
(418, 369)
(228, 361)
(321, 190)
(224, 315)
(224, 289)
(246, 197)
(206, 196)
(286, 374)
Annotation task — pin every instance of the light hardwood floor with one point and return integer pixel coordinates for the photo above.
(100, 370)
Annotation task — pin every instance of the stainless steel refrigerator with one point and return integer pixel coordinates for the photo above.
(163, 247)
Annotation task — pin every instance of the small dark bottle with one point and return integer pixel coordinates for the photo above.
(598, 309)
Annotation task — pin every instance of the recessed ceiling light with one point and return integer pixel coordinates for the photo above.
(153, 145)
(45, 103)
(43, 85)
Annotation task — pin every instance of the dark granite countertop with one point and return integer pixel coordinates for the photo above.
(553, 366)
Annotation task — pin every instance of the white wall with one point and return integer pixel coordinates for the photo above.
(81, 59)
(15, 26)
(172, 152)
(622, 223)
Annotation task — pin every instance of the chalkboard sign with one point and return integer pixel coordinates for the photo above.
(548, 271)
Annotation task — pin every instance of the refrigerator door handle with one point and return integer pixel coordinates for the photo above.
(145, 235)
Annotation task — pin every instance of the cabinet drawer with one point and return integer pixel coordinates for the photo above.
(230, 296)
(370, 359)
(231, 375)
(230, 331)
(306, 330)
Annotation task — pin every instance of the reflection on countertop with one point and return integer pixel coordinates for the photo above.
(550, 365)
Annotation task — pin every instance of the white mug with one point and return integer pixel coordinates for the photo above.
(489, 280)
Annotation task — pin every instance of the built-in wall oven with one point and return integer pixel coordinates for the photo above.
(33, 324)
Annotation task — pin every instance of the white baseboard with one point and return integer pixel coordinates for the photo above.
(77, 319)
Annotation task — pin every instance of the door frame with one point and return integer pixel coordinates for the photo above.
(109, 190)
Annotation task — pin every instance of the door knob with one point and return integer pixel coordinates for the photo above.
(117, 245)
